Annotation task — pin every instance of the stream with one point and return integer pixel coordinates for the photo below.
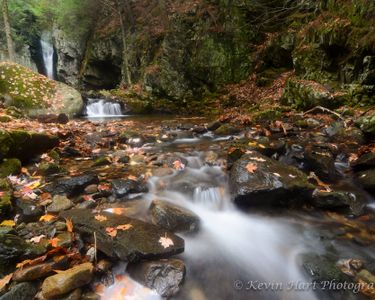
(237, 253)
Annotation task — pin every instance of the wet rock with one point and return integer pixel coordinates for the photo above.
(164, 275)
(199, 129)
(10, 167)
(21, 291)
(65, 239)
(172, 160)
(53, 118)
(59, 203)
(124, 159)
(321, 161)
(70, 152)
(142, 240)
(30, 273)
(67, 281)
(132, 138)
(226, 129)
(367, 179)
(214, 125)
(266, 147)
(122, 187)
(366, 276)
(103, 265)
(173, 217)
(90, 296)
(13, 247)
(91, 189)
(74, 295)
(341, 201)
(365, 161)
(72, 186)
(87, 204)
(256, 179)
(28, 211)
(47, 169)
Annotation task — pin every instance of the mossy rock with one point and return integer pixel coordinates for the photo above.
(226, 129)
(10, 167)
(25, 145)
(35, 94)
(367, 124)
(268, 115)
(101, 161)
(306, 94)
(47, 169)
(5, 118)
(5, 203)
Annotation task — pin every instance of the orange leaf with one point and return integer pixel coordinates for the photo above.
(45, 196)
(111, 231)
(47, 218)
(69, 225)
(54, 242)
(23, 263)
(101, 218)
(251, 167)
(178, 165)
(132, 177)
(5, 280)
(124, 227)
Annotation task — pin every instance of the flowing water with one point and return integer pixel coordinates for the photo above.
(236, 254)
(99, 108)
(48, 53)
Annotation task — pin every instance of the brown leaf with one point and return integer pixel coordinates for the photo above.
(101, 218)
(251, 167)
(69, 225)
(5, 280)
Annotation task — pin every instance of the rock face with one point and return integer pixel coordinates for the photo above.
(73, 185)
(141, 240)
(165, 275)
(258, 180)
(173, 217)
(67, 281)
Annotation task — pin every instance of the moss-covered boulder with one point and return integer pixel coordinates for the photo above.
(9, 167)
(35, 94)
(25, 145)
(305, 94)
(367, 124)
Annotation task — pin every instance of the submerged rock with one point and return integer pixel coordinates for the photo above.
(68, 280)
(72, 186)
(59, 203)
(173, 217)
(256, 179)
(164, 275)
(141, 240)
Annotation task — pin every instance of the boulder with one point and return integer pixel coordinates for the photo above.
(35, 94)
(66, 281)
(366, 179)
(73, 185)
(31, 273)
(28, 210)
(164, 275)
(367, 124)
(256, 179)
(365, 161)
(59, 203)
(141, 240)
(226, 129)
(173, 217)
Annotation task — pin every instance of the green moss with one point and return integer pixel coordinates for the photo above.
(23, 88)
(5, 203)
(101, 161)
(268, 114)
(49, 169)
(10, 167)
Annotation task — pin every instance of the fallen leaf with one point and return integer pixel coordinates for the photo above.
(5, 280)
(104, 187)
(124, 227)
(178, 165)
(45, 196)
(23, 263)
(36, 239)
(165, 241)
(101, 218)
(87, 197)
(111, 231)
(9, 223)
(251, 167)
(258, 159)
(54, 242)
(69, 225)
(47, 218)
(132, 177)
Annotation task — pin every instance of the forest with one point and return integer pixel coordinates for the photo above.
(187, 149)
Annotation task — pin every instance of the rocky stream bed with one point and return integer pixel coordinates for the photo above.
(184, 208)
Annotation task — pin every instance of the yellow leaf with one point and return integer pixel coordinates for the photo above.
(47, 218)
(69, 225)
(54, 242)
(9, 223)
(5, 280)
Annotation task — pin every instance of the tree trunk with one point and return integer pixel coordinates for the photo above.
(125, 73)
(11, 52)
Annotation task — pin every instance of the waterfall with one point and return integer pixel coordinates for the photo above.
(48, 53)
(99, 108)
